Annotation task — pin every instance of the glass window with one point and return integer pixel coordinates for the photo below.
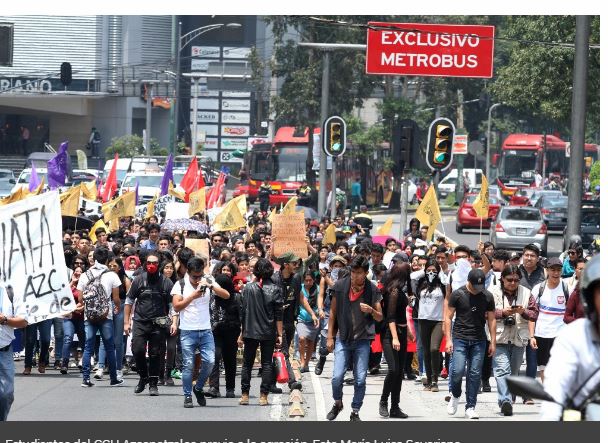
(6, 44)
(152, 181)
(520, 214)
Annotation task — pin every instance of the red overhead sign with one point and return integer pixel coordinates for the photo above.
(430, 50)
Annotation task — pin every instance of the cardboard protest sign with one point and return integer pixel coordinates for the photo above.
(290, 232)
(160, 205)
(200, 246)
(32, 261)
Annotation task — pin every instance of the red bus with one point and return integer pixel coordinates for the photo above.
(523, 154)
(283, 161)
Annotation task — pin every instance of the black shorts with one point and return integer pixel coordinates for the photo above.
(544, 350)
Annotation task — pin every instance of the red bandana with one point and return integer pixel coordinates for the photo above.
(353, 296)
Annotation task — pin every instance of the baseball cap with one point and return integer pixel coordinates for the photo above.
(554, 261)
(477, 279)
(515, 255)
(338, 258)
(288, 257)
(400, 257)
(347, 229)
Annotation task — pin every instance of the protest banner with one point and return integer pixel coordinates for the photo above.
(160, 205)
(200, 246)
(290, 232)
(177, 210)
(32, 263)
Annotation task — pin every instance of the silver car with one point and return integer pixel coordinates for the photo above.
(517, 226)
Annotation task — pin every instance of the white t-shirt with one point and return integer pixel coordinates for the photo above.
(196, 316)
(551, 310)
(9, 309)
(109, 280)
(431, 304)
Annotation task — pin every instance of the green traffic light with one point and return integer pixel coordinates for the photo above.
(439, 157)
(336, 146)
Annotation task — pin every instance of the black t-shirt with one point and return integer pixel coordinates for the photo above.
(470, 313)
(291, 288)
(153, 297)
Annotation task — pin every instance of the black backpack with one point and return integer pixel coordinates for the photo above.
(96, 301)
(543, 285)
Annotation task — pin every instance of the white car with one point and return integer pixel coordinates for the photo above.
(149, 184)
(24, 178)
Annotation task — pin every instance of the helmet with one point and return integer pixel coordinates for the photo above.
(590, 277)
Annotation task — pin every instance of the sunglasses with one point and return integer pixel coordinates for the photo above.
(76, 263)
(512, 280)
(571, 252)
(151, 262)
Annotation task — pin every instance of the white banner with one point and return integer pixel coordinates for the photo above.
(32, 257)
(206, 51)
(161, 203)
(90, 207)
(177, 210)
(234, 143)
(208, 117)
(237, 52)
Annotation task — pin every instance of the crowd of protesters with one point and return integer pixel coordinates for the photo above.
(430, 310)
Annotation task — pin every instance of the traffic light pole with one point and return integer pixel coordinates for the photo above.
(333, 187)
(404, 202)
(322, 194)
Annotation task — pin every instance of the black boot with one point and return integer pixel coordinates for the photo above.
(383, 410)
(168, 379)
(319, 366)
(153, 389)
(141, 385)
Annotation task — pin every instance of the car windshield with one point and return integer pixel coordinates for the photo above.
(552, 202)
(520, 214)
(590, 218)
(152, 181)
(492, 200)
(25, 177)
(450, 181)
(5, 185)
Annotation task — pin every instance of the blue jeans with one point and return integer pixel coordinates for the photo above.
(507, 360)
(106, 330)
(7, 383)
(345, 352)
(191, 341)
(70, 327)
(119, 329)
(419, 349)
(469, 354)
(44, 327)
(531, 365)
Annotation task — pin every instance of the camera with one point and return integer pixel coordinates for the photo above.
(509, 321)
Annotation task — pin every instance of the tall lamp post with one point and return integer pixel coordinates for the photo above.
(181, 43)
(495, 105)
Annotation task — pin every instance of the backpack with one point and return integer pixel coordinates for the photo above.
(543, 285)
(96, 136)
(96, 301)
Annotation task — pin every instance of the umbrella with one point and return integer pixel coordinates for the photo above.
(71, 222)
(184, 224)
(308, 212)
(382, 239)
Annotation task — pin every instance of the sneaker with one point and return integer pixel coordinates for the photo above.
(335, 410)
(188, 402)
(349, 381)
(213, 393)
(375, 370)
(263, 401)
(453, 405)
(86, 383)
(230, 393)
(274, 389)
(295, 385)
(354, 416)
(200, 397)
(434, 387)
(486, 386)
(304, 369)
(169, 381)
(471, 414)
(119, 375)
(418, 379)
(383, 409)
(57, 364)
(244, 398)
(63, 370)
(98, 374)
(117, 382)
(396, 412)
(409, 377)
(16, 356)
(506, 409)
(427, 388)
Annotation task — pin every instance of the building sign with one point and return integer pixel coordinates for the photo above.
(239, 94)
(430, 50)
(236, 105)
(208, 130)
(460, 144)
(234, 143)
(235, 131)
(207, 117)
(32, 84)
(237, 52)
(207, 103)
(210, 144)
(206, 51)
(236, 117)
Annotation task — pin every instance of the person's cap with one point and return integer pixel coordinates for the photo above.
(347, 229)
(339, 258)
(130, 251)
(363, 208)
(554, 261)
(400, 257)
(419, 242)
(515, 256)
(314, 223)
(288, 257)
(477, 279)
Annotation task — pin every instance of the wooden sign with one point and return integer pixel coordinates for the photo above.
(200, 246)
(290, 232)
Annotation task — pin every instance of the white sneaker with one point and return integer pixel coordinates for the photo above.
(418, 379)
(98, 374)
(453, 405)
(424, 380)
(471, 414)
(119, 375)
(16, 356)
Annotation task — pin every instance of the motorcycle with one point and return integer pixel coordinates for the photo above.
(589, 409)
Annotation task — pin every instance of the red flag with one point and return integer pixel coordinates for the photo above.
(110, 188)
(190, 180)
(216, 191)
(201, 180)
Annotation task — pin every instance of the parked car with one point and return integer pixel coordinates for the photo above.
(447, 185)
(522, 197)
(538, 193)
(149, 184)
(515, 227)
(590, 224)
(554, 210)
(24, 178)
(7, 181)
(466, 216)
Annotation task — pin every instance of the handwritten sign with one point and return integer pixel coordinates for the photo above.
(161, 203)
(32, 263)
(176, 211)
(200, 246)
(290, 231)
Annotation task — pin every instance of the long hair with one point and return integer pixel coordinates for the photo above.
(399, 277)
(424, 282)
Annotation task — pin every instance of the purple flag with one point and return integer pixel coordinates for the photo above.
(34, 180)
(164, 185)
(57, 167)
(137, 193)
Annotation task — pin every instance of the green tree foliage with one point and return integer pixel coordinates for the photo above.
(537, 78)
(594, 175)
(132, 146)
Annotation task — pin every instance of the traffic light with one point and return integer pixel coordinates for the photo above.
(143, 92)
(66, 74)
(439, 152)
(404, 143)
(334, 136)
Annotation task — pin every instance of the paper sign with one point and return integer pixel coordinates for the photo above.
(290, 232)
(32, 264)
(177, 210)
(200, 246)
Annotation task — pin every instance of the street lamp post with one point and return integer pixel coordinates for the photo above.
(495, 105)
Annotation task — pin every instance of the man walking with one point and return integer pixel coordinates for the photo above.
(191, 298)
(354, 308)
(467, 342)
(12, 316)
(151, 321)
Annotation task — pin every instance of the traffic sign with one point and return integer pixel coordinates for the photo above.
(459, 146)
(476, 148)
(430, 50)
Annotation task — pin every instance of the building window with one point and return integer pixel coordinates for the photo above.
(6, 44)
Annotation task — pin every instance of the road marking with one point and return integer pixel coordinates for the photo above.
(276, 407)
(319, 397)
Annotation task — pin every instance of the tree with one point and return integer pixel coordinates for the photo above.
(132, 146)
(594, 175)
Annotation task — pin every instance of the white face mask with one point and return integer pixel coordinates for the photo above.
(431, 276)
(129, 273)
(334, 273)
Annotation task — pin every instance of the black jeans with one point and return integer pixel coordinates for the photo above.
(396, 365)
(431, 334)
(289, 329)
(226, 347)
(168, 348)
(264, 202)
(147, 333)
(266, 351)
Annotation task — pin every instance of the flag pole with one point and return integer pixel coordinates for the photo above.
(480, 225)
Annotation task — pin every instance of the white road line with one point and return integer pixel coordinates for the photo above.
(319, 397)
(276, 407)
